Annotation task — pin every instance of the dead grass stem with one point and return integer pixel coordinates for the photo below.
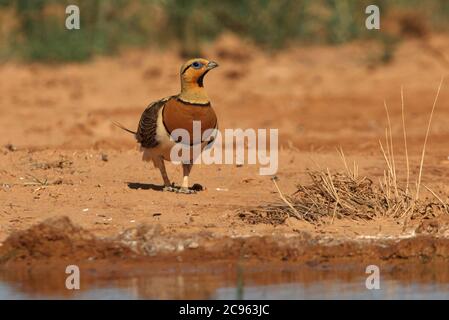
(418, 184)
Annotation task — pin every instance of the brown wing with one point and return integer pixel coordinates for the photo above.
(146, 131)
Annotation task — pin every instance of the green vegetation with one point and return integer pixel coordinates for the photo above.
(35, 29)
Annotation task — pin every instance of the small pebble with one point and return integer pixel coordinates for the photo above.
(10, 147)
(193, 245)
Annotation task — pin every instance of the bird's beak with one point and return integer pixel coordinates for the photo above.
(211, 65)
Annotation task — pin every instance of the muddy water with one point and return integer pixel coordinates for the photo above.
(226, 281)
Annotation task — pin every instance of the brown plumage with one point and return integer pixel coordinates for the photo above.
(162, 117)
(178, 114)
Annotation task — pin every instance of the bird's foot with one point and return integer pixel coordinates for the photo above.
(185, 190)
(194, 189)
(171, 189)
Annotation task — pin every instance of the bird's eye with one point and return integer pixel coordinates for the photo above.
(197, 65)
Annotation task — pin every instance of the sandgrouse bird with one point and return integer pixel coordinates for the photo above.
(162, 117)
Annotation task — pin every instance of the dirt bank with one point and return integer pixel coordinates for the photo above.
(57, 239)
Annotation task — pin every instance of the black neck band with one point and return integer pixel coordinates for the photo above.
(207, 104)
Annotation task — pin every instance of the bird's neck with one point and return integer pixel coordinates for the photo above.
(191, 92)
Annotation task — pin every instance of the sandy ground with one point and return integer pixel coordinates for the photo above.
(57, 120)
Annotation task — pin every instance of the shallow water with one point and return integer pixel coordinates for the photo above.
(338, 290)
(226, 282)
(285, 291)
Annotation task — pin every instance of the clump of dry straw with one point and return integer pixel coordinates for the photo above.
(346, 194)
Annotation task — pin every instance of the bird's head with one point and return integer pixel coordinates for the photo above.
(194, 70)
(192, 77)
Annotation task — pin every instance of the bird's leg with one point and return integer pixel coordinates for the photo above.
(186, 168)
(167, 185)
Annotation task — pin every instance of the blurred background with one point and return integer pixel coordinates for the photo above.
(31, 29)
(286, 64)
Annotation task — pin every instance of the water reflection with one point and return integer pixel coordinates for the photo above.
(226, 281)
(338, 290)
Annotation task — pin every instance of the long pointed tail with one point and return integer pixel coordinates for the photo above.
(118, 124)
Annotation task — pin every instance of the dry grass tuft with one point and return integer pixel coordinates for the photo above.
(340, 195)
(348, 195)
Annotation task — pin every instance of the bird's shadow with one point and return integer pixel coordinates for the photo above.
(150, 186)
(145, 186)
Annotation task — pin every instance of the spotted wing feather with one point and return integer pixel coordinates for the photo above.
(146, 133)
